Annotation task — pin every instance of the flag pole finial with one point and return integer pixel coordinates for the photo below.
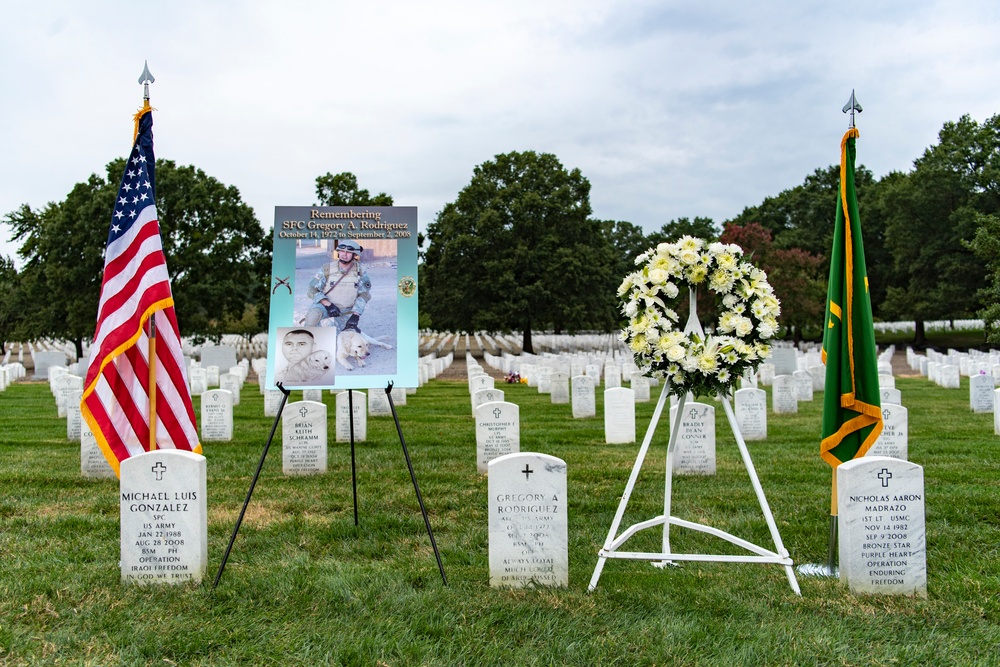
(852, 106)
(145, 79)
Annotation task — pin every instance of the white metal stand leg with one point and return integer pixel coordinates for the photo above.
(613, 541)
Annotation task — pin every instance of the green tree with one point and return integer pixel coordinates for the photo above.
(933, 216)
(703, 228)
(516, 250)
(62, 249)
(217, 254)
(10, 310)
(342, 190)
(986, 246)
(796, 275)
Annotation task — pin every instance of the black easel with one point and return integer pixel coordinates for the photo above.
(354, 481)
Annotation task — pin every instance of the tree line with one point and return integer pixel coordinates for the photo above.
(519, 249)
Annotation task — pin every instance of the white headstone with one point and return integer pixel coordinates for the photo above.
(981, 393)
(378, 404)
(886, 380)
(303, 438)
(893, 441)
(498, 432)
(996, 411)
(765, 372)
(92, 461)
(751, 413)
(198, 377)
(217, 415)
(73, 417)
(65, 385)
(164, 517)
(559, 387)
(485, 396)
(784, 360)
(344, 416)
(213, 375)
(528, 527)
(640, 385)
(480, 382)
(584, 397)
(783, 397)
(314, 395)
(694, 449)
(619, 415)
(803, 385)
(231, 383)
(818, 373)
(950, 377)
(890, 395)
(612, 376)
(883, 546)
(272, 400)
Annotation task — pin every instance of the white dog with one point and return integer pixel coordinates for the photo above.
(312, 368)
(356, 345)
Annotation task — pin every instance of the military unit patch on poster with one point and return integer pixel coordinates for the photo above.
(343, 297)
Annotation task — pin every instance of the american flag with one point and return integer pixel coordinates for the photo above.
(136, 287)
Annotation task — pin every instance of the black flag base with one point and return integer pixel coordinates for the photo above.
(354, 482)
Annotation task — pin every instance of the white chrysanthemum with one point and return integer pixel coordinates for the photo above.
(690, 243)
(689, 257)
(721, 281)
(744, 327)
(707, 363)
(765, 330)
(759, 308)
(697, 274)
(723, 375)
(670, 290)
(727, 322)
(730, 300)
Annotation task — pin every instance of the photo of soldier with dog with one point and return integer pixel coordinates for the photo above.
(350, 285)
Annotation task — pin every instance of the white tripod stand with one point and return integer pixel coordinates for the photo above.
(614, 541)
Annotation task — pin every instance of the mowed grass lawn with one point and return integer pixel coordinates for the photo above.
(305, 586)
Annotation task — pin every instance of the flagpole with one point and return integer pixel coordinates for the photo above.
(852, 106)
(830, 569)
(145, 79)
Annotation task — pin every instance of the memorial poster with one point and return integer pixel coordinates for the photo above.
(343, 297)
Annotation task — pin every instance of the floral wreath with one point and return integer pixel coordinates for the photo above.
(703, 365)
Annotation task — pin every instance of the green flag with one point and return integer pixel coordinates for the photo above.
(852, 415)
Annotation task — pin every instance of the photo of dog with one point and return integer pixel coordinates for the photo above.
(309, 369)
(356, 345)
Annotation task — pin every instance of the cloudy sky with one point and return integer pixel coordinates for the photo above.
(670, 109)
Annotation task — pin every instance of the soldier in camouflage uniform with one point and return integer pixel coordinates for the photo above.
(340, 290)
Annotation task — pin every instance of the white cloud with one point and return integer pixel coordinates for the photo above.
(671, 109)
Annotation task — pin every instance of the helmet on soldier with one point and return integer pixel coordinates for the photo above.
(350, 245)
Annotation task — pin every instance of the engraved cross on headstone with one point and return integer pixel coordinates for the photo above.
(885, 413)
(527, 471)
(158, 470)
(497, 412)
(303, 411)
(885, 476)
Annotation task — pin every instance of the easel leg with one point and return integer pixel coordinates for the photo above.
(416, 488)
(354, 469)
(668, 485)
(613, 531)
(755, 481)
(253, 483)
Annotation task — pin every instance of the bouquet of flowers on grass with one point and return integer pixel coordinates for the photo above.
(737, 342)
